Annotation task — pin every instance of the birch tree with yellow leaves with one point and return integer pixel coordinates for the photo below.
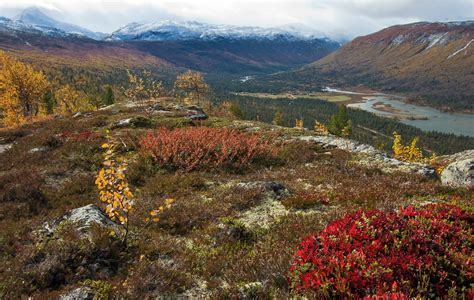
(192, 86)
(21, 90)
(113, 187)
(115, 192)
(70, 101)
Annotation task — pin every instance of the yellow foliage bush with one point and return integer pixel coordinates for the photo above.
(299, 124)
(408, 153)
(320, 128)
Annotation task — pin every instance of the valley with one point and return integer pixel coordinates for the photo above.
(389, 106)
(430, 63)
(172, 158)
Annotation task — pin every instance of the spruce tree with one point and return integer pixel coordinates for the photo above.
(108, 97)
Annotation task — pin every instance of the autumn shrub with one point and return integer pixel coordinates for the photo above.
(417, 252)
(201, 147)
(408, 153)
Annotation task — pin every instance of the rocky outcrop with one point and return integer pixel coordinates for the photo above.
(459, 173)
(371, 156)
(82, 218)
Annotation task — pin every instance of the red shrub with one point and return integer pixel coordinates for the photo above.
(197, 147)
(79, 136)
(426, 252)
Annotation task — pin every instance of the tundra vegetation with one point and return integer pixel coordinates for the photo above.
(204, 204)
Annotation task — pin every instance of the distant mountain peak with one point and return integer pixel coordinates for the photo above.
(33, 13)
(34, 17)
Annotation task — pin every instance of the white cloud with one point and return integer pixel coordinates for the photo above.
(347, 18)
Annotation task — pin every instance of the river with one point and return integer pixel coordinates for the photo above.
(423, 117)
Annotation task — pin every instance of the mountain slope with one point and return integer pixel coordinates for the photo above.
(225, 48)
(237, 56)
(35, 17)
(433, 60)
(51, 51)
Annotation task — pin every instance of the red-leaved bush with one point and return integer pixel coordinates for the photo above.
(191, 148)
(79, 136)
(427, 252)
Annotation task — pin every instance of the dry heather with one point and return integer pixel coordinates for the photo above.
(231, 232)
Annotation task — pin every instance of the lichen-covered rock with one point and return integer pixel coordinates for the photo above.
(344, 144)
(38, 150)
(459, 173)
(81, 293)
(83, 218)
(251, 290)
(466, 154)
(122, 123)
(198, 117)
(5, 147)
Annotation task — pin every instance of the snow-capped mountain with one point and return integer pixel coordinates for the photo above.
(34, 20)
(192, 45)
(191, 30)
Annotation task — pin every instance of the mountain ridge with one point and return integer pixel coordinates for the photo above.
(193, 30)
(431, 63)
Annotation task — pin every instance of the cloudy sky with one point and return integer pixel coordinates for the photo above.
(337, 18)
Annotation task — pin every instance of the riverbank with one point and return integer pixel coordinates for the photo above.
(397, 107)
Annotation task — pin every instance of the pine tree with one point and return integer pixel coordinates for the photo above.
(340, 121)
(49, 102)
(236, 110)
(108, 97)
(278, 119)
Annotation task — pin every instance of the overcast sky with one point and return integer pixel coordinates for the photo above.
(337, 18)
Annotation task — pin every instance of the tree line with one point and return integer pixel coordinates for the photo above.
(366, 127)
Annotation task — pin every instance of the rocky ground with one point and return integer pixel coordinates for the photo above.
(229, 233)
